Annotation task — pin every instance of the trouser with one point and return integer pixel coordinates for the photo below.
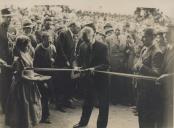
(5, 82)
(149, 106)
(101, 90)
(64, 88)
(45, 93)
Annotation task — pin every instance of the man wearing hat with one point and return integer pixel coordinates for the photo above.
(47, 28)
(28, 31)
(149, 64)
(5, 74)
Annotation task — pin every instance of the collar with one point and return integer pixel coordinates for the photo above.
(71, 32)
(27, 58)
(148, 48)
(170, 47)
(44, 47)
(93, 41)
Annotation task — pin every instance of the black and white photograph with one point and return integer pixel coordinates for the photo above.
(86, 63)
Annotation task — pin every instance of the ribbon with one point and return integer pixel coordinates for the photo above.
(128, 75)
(95, 70)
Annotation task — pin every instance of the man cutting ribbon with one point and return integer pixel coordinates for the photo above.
(93, 53)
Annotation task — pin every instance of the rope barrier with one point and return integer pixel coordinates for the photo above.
(128, 75)
(51, 69)
(97, 71)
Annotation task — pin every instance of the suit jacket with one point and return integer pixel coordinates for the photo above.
(151, 59)
(167, 88)
(167, 65)
(65, 48)
(4, 48)
(94, 56)
(148, 92)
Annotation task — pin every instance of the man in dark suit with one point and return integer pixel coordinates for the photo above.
(149, 99)
(166, 82)
(93, 53)
(5, 74)
(65, 46)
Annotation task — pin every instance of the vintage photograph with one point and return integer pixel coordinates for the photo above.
(86, 63)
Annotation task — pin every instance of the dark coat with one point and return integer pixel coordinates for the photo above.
(65, 47)
(151, 67)
(95, 85)
(5, 73)
(95, 56)
(167, 88)
(4, 48)
(91, 57)
(149, 98)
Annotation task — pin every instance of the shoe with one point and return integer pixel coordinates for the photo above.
(61, 109)
(68, 104)
(46, 121)
(79, 125)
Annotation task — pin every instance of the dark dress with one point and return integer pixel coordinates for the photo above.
(23, 103)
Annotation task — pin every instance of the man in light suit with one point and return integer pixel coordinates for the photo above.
(149, 99)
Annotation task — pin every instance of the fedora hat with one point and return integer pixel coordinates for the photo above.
(107, 25)
(27, 24)
(108, 30)
(6, 12)
(32, 76)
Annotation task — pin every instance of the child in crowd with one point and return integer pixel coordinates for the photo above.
(45, 54)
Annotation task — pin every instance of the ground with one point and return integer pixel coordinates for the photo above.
(119, 117)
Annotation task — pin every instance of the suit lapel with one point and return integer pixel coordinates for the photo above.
(70, 36)
(168, 60)
(147, 53)
(93, 53)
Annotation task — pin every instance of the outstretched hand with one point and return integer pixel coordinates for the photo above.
(161, 78)
(2, 63)
(92, 70)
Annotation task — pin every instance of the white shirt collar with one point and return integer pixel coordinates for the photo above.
(71, 32)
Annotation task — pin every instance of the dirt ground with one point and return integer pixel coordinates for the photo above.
(119, 117)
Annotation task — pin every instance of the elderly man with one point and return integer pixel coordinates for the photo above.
(5, 74)
(149, 64)
(93, 53)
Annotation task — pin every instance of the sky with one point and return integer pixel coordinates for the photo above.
(118, 6)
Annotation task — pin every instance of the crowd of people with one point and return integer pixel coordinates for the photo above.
(56, 39)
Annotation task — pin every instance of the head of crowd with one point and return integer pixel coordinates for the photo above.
(106, 26)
